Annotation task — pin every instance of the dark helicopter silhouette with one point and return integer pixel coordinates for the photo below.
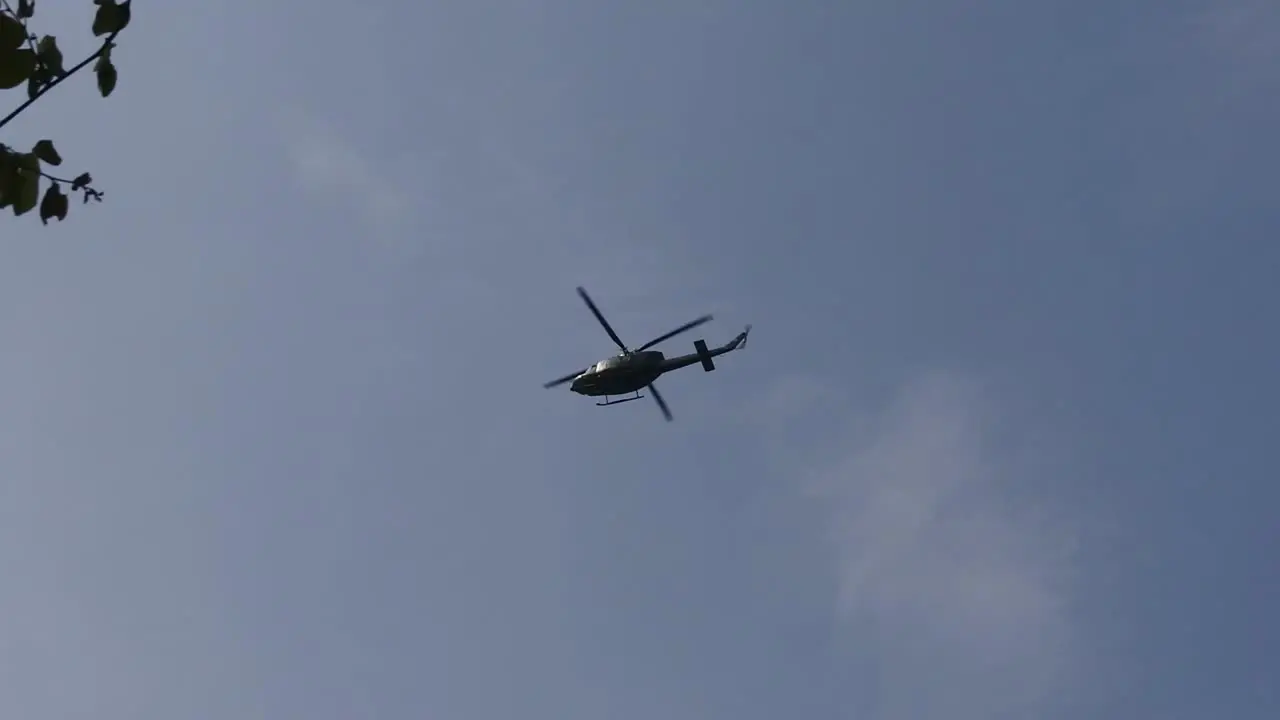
(631, 370)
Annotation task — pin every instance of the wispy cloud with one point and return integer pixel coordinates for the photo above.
(1246, 34)
(324, 162)
(789, 397)
(958, 593)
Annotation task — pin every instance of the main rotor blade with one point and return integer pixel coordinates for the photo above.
(596, 311)
(666, 411)
(673, 333)
(564, 379)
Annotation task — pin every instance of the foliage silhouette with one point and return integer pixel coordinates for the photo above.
(36, 62)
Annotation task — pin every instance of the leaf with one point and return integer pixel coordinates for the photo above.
(54, 205)
(82, 181)
(26, 8)
(110, 17)
(8, 175)
(106, 72)
(15, 67)
(64, 204)
(50, 55)
(12, 33)
(29, 162)
(26, 193)
(46, 152)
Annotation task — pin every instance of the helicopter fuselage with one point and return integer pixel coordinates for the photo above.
(620, 374)
(629, 372)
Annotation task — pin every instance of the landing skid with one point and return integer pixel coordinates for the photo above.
(607, 402)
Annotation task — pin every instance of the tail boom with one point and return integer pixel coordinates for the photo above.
(704, 355)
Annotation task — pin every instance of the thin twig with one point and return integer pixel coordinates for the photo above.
(56, 179)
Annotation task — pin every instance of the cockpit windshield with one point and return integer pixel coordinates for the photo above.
(609, 363)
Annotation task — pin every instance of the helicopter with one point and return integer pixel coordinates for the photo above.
(630, 370)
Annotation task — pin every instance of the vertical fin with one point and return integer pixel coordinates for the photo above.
(701, 346)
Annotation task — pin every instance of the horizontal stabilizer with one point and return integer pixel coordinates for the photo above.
(701, 346)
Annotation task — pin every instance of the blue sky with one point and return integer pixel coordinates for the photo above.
(274, 438)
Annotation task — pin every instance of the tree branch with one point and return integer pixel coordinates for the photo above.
(106, 45)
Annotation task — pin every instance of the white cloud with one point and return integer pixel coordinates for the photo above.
(957, 593)
(324, 162)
